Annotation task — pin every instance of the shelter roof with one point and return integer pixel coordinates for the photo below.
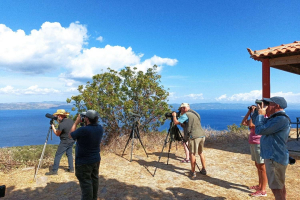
(273, 52)
(285, 57)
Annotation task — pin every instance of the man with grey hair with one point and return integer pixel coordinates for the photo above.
(191, 122)
(275, 131)
(87, 153)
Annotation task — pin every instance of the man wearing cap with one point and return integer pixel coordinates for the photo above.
(87, 153)
(191, 122)
(66, 143)
(275, 131)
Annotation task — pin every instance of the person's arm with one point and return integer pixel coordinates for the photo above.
(270, 126)
(180, 120)
(176, 122)
(56, 132)
(74, 126)
(245, 120)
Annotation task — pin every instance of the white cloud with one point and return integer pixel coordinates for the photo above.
(32, 90)
(93, 60)
(155, 60)
(54, 46)
(224, 96)
(42, 50)
(257, 94)
(195, 96)
(100, 38)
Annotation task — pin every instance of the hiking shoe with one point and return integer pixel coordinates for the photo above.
(258, 193)
(52, 173)
(68, 170)
(192, 175)
(203, 171)
(255, 187)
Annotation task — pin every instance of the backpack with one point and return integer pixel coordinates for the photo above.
(175, 133)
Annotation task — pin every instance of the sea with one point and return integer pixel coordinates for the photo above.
(31, 127)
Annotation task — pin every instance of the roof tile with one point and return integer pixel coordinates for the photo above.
(275, 51)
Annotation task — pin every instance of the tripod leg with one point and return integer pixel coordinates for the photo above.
(127, 143)
(132, 139)
(42, 155)
(165, 144)
(169, 151)
(138, 135)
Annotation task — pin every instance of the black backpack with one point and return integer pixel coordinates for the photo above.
(175, 133)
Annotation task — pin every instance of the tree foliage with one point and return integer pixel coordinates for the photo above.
(116, 94)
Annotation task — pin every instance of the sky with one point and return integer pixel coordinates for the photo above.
(48, 48)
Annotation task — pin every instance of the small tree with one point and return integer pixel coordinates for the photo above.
(115, 94)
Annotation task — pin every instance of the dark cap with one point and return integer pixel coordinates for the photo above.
(92, 114)
(278, 100)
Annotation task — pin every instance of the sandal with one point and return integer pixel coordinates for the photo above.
(185, 161)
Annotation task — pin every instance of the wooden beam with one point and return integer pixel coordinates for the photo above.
(286, 60)
(266, 91)
(289, 68)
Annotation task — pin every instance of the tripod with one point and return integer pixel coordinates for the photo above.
(169, 140)
(42, 155)
(134, 134)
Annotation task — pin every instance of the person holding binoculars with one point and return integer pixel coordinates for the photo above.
(254, 141)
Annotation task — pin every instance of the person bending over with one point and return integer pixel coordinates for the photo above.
(191, 122)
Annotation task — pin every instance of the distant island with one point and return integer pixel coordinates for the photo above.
(174, 107)
(35, 105)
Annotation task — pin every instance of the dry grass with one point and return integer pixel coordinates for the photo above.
(230, 172)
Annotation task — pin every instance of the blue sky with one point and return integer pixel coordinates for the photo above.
(48, 48)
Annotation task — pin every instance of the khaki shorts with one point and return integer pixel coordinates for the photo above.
(196, 145)
(255, 153)
(275, 174)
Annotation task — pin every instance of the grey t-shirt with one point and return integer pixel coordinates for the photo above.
(65, 126)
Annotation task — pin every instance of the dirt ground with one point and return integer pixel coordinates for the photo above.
(230, 172)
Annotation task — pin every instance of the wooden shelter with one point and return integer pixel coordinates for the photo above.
(285, 57)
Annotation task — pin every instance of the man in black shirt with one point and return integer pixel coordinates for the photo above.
(66, 144)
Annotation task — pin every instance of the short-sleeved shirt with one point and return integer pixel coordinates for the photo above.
(183, 118)
(65, 126)
(88, 144)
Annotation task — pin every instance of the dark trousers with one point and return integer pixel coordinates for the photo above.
(88, 175)
(62, 148)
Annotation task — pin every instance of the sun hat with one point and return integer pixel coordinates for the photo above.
(61, 112)
(278, 100)
(184, 105)
(92, 114)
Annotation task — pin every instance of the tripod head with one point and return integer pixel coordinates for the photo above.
(135, 117)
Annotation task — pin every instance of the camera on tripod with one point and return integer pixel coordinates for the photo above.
(52, 117)
(169, 115)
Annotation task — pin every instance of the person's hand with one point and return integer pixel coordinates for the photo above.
(78, 119)
(261, 109)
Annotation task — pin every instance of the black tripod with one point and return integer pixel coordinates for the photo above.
(134, 134)
(42, 155)
(173, 137)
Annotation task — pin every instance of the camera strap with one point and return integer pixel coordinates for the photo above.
(195, 113)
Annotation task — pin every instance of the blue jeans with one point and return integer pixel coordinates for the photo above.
(62, 148)
(88, 175)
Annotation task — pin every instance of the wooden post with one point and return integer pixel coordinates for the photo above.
(266, 91)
